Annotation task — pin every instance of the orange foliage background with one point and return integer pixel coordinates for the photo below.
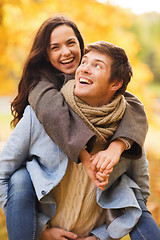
(19, 21)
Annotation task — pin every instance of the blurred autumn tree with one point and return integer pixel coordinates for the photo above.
(20, 19)
(147, 29)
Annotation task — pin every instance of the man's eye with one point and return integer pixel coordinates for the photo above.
(97, 66)
(83, 63)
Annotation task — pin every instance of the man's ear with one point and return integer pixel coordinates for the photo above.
(117, 85)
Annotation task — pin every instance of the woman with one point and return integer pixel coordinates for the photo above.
(38, 68)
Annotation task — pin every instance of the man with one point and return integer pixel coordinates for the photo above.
(49, 165)
(103, 74)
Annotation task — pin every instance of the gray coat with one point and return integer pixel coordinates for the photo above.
(47, 166)
(70, 132)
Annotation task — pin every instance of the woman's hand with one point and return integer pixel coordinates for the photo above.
(107, 159)
(57, 234)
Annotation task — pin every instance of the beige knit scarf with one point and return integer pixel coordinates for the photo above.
(102, 120)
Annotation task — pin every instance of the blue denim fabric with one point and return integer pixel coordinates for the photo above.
(146, 228)
(21, 217)
(29, 139)
(47, 164)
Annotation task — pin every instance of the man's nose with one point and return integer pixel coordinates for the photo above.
(86, 69)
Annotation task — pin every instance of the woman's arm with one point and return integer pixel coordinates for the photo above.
(60, 122)
(14, 154)
(70, 133)
(134, 126)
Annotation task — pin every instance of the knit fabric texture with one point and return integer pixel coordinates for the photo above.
(75, 196)
(102, 120)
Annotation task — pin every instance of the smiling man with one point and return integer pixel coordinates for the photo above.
(103, 72)
(94, 82)
(96, 95)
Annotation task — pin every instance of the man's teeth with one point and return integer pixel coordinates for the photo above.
(67, 61)
(86, 81)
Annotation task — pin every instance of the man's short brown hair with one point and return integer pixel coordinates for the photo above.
(121, 68)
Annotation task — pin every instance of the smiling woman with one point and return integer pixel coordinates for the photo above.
(40, 67)
(57, 48)
(64, 53)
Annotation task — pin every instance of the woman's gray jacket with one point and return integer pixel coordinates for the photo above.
(68, 130)
(46, 163)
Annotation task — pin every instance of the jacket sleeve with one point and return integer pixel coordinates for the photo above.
(139, 172)
(60, 122)
(14, 154)
(134, 126)
(101, 232)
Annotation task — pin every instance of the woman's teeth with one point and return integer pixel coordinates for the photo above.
(70, 60)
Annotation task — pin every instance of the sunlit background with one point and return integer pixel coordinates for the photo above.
(133, 25)
(136, 6)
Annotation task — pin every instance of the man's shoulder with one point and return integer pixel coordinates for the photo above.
(130, 97)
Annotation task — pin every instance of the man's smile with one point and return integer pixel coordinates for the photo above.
(83, 80)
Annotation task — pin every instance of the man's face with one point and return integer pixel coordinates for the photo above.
(92, 79)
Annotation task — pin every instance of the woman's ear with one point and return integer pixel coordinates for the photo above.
(117, 85)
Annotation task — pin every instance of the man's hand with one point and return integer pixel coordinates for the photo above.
(57, 234)
(103, 179)
(104, 161)
(85, 159)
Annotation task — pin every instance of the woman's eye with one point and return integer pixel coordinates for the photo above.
(71, 43)
(54, 48)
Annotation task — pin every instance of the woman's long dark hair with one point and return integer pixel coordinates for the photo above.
(37, 58)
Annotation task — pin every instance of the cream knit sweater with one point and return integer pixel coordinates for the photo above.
(75, 196)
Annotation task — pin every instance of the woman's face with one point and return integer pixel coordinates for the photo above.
(64, 50)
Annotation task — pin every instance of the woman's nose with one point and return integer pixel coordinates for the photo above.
(65, 51)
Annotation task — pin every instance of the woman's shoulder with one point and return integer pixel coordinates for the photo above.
(30, 116)
(29, 112)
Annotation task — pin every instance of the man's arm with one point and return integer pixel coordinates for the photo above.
(60, 122)
(134, 126)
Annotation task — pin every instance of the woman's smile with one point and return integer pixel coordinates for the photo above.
(64, 50)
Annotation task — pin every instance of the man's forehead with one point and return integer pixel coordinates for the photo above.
(94, 53)
(97, 56)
